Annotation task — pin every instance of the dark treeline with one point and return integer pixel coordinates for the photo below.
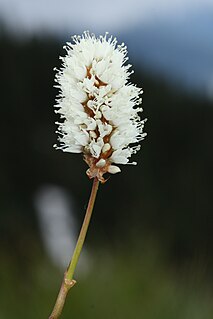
(169, 193)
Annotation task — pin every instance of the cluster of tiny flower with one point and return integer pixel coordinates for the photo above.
(98, 106)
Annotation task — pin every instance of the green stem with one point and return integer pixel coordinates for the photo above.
(68, 280)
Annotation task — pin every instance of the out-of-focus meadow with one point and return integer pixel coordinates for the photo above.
(149, 252)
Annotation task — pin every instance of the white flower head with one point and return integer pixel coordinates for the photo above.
(98, 106)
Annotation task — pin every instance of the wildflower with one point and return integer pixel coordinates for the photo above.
(98, 106)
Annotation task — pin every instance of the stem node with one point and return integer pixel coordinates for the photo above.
(69, 283)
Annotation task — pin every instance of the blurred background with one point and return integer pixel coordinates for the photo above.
(148, 253)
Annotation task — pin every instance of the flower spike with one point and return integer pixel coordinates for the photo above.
(98, 106)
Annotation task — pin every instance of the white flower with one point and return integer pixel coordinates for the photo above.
(98, 107)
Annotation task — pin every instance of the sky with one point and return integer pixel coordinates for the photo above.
(172, 36)
(96, 15)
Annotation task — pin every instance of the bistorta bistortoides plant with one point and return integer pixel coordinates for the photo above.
(99, 110)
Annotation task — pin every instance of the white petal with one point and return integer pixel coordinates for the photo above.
(113, 169)
(121, 156)
(106, 147)
(96, 147)
(101, 163)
